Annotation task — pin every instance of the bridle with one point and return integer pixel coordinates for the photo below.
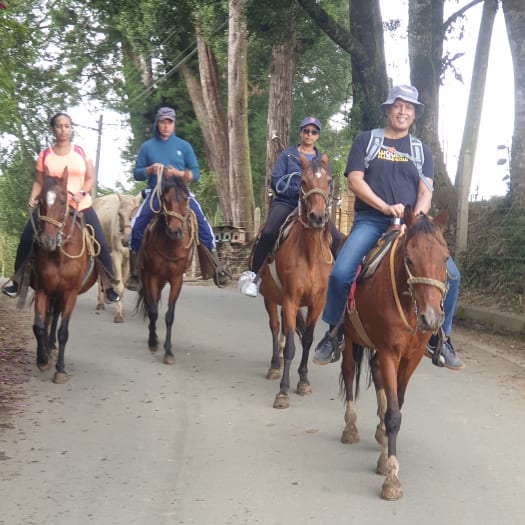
(440, 285)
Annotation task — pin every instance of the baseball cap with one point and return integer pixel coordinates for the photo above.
(166, 113)
(406, 93)
(310, 120)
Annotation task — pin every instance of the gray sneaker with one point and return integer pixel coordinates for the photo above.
(328, 350)
(447, 357)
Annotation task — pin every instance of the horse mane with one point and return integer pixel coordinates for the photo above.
(422, 224)
(50, 181)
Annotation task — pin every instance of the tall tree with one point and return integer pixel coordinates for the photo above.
(514, 13)
(240, 175)
(467, 152)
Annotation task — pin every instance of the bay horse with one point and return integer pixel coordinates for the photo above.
(63, 268)
(165, 254)
(298, 276)
(393, 314)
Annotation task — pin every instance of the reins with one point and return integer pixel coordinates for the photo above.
(410, 281)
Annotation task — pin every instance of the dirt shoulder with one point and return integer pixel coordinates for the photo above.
(15, 358)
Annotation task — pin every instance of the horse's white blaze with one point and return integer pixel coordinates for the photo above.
(51, 198)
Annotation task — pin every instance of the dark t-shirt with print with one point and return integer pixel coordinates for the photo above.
(391, 177)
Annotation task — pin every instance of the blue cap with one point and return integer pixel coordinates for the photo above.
(310, 120)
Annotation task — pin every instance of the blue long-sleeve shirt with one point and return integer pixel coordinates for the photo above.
(173, 151)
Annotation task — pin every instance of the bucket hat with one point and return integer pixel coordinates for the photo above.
(406, 93)
(310, 120)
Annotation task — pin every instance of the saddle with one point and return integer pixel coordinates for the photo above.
(365, 270)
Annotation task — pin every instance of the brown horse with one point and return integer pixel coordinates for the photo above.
(63, 268)
(165, 254)
(298, 276)
(396, 309)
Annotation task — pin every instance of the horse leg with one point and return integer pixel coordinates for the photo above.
(51, 330)
(281, 399)
(274, 372)
(40, 331)
(116, 261)
(61, 376)
(380, 434)
(175, 289)
(303, 386)
(348, 368)
(100, 297)
(391, 489)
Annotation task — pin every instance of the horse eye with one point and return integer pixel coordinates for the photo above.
(408, 262)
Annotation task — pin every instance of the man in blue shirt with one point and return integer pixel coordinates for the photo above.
(166, 150)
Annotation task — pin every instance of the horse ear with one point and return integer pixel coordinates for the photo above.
(137, 199)
(409, 216)
(441, 220)
(303, 161)
(324, 160)
(65, 174)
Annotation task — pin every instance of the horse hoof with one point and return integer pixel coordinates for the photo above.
(273, 373)
(169, 360)
(153, 349)
(118, 318)
(43, 366)
(281, 401)
(392, 490)
(60, 378)
(304, 389)
(381, 468)
(100, 307)
(348, 437)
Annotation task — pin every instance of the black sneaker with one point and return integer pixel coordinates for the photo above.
(11, 290)
(328, 350)
(112, 296)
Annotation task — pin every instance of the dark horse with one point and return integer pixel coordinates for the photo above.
(63, 268)
(165, 254)
(298, 275)
(396, 309)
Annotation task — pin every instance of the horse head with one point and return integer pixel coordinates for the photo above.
(315, 191)
(128, 206)
(425, 257)
(52, 211)
(175, 205)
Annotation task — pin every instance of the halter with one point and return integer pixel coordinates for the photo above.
(88, 234)
(441, 286)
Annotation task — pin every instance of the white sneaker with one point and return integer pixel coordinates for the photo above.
(247, 284)
(250, 289)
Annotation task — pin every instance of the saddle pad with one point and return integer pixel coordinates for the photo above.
(375, 256)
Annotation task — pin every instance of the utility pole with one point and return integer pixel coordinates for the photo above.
(97, 165)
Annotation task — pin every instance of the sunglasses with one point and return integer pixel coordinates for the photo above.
(311, 131)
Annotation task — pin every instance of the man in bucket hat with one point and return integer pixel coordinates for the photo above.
(383, 184)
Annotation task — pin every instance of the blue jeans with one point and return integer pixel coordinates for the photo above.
(144, 215)
(366, 231)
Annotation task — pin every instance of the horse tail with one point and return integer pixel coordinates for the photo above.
(300, 323)
(358, 352)
(141, 304)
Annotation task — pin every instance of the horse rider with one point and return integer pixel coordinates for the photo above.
(165, 150)
(383, 186)
(80, 181)
(286, 185)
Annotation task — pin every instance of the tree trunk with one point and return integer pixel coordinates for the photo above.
(369, 76)
(216, 123)
(240, 176)
(282, 69)
(514, 13)
(425, 49)
(467, 152)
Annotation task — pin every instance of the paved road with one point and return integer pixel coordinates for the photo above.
(132, 441)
